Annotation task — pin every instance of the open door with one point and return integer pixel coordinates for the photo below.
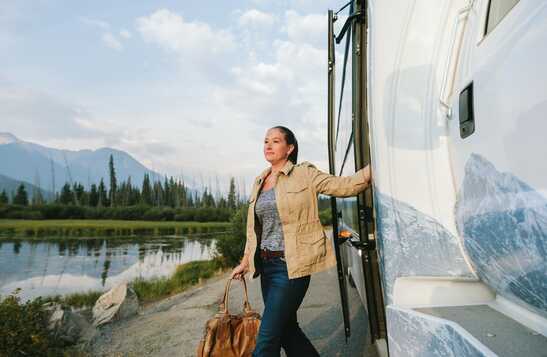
(332, 170)
(349, 150)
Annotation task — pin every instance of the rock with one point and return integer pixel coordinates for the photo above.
(119, 303)
(66, 325)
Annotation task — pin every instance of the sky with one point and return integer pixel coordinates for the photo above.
(185, 87)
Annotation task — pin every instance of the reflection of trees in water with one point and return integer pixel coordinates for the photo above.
(92, 246)
(16, 247)
(106, 268)
(142, 251)
(33, 245)
(73, 247)
(62, 247)
(101, 253)
(98, 248)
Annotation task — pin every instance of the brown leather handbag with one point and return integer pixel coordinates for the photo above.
(229, 335)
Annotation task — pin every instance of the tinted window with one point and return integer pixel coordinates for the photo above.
(497, 9)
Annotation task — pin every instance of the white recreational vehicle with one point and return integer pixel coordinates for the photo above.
(447, 99)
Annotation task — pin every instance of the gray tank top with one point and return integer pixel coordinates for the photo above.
(272, 232)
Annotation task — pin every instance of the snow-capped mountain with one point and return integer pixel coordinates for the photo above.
(41, 165)
(503, 222)
(414, 244)
(7, 138)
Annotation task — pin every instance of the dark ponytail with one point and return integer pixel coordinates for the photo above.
(291, 140)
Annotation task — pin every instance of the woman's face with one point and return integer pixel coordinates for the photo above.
(275, 147)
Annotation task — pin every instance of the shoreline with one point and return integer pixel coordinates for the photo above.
(84, 228)
(149, 291)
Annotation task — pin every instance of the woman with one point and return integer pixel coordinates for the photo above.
(285, 239)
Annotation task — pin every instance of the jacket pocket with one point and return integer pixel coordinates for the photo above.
(311, 246)
(298, 196)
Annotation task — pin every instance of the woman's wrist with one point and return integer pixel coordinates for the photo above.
(244, 261)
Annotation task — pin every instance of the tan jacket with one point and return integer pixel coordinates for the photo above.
(307, 249)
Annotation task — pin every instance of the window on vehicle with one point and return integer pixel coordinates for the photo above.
(497, 9)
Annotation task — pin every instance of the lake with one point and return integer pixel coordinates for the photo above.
(63, 266)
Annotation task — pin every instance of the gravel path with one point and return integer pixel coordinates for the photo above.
(174, 326)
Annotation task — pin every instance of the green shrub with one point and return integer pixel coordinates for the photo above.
(159, 214)
(23, 329)
(325, 216)
(231, 246)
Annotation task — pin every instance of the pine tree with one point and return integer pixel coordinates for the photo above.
(207, 199)
(93, 196)
(173, 193)
(127, 194)
(183, 195)
(166, 193)
(113, 184)
(222, 203)
(4, 200)
(190, 200)
(103, 199)
(158, 194)
(232, 194)
(67, 196)
(121, 195)
(146, 193)
(21, 197)
(79, 192)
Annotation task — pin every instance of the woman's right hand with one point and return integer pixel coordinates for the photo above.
(240, 270)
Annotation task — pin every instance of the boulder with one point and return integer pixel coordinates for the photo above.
(65, 324)
(117, 304)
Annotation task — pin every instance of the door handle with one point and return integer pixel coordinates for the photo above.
(466, 112)
(347, 236)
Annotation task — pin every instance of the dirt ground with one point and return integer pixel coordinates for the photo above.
(174, 326)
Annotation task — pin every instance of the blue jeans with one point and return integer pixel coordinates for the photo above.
(282, 298)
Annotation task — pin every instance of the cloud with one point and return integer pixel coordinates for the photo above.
(308, 29)
(111, 41)
(125, 34)
(29, 112)
(173, 33)
(103, 25)
(108, 38)
(256, 18)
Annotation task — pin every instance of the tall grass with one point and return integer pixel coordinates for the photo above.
(185, 276)
(76, 300)
(104, 228)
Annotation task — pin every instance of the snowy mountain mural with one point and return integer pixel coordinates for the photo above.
(412, 243)
(503, 222)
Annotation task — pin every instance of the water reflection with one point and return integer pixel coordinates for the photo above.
(64, 266)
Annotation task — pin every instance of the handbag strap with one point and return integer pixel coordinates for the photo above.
(224, 303)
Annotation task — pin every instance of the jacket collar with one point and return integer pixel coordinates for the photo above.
(286, 170)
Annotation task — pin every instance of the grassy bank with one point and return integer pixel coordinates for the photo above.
(104, 228)
(185, 276)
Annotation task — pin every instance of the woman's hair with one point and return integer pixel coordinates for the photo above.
(291, 140)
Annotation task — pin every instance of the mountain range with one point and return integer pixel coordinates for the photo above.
(503, 221)
(50, 168)
(10, 186)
